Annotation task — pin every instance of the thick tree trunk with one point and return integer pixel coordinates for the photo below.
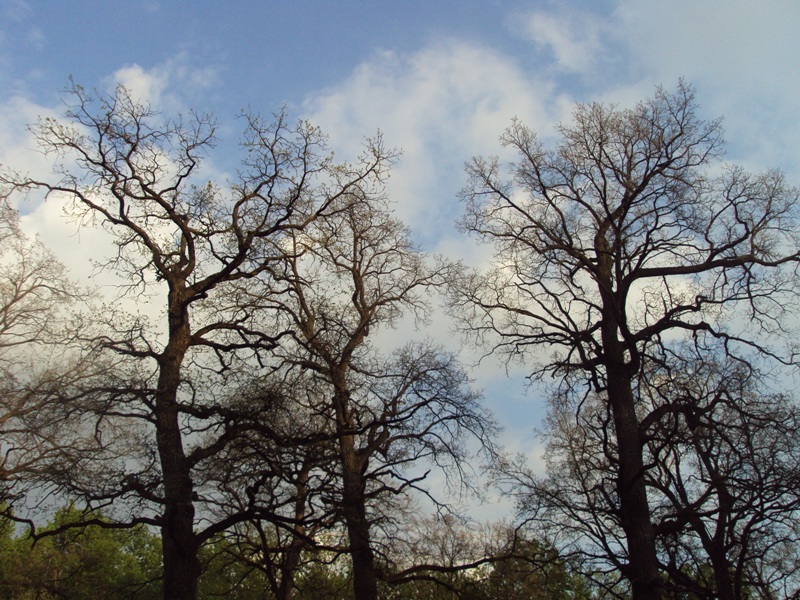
(634, 508)
(727, 588)
(723, 579)
(288, 570)
(365, 581)
(179, 546)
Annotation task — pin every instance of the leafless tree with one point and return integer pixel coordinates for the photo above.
(205, 249)
(625, 234)
(725, 479)
(391, 416)
(42, 367)
(723, 464)
(276, 469)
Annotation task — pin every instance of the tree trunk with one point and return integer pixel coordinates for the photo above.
(634, 508)
(179, 546)
(715, 547)
(365, 581)
(287, 571)
(723, 579)
(295, 550)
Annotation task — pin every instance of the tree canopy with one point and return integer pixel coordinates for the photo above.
(265, 429)
(621, 247)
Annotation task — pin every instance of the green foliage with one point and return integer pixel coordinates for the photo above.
(224, 576)
(518, 579)
(321, 581)
(79, 564)
(536, 573)
(96, 562)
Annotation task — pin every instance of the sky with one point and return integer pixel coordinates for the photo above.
(440, 79)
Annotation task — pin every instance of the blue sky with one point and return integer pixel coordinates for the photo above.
(269, 52)
(441, 79)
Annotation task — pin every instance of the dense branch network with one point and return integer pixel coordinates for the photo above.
(609, 248)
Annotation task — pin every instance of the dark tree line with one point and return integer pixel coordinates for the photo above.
(254, 422)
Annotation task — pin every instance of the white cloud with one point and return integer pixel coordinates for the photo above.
(145, 86)
(78, 246)
(17, 145)
(74, 246)
(731, 43)
(440, 105)
(574, 39)
(740, 55)
(172, 86)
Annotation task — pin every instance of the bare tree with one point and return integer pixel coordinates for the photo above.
(204, 247)
(390, 415)
(722, 474)
(574, 504)
(42, 368)
(724, 482)
(617, 238)
(276, 468)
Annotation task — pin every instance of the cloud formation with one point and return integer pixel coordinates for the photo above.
(172, 86)
(438, 105)
(574, 39)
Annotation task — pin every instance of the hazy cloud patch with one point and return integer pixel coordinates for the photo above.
(440, 105)
(741, 57)
(18, 150)
(15, 10)
(172, 86)
(574, 39)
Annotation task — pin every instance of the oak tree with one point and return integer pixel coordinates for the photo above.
(43, 366)
(201, 248)
(624, 235)
(390, 416)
